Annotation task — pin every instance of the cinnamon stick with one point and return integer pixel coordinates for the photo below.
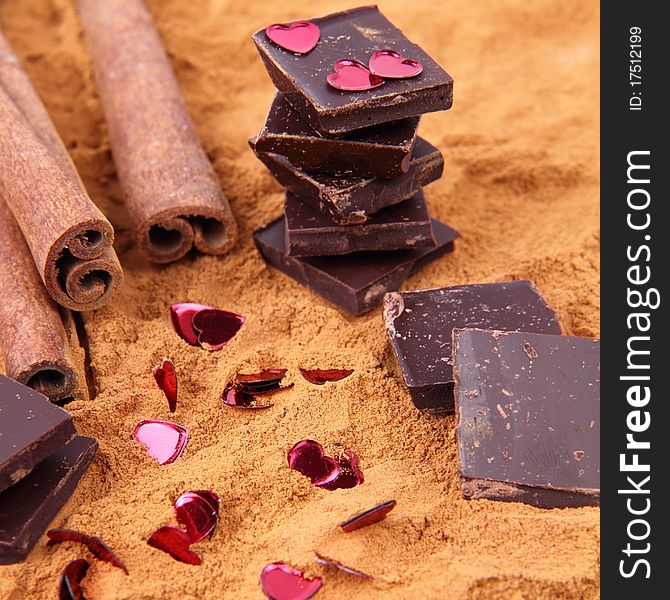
(37, 349)
(69, 238)
(173, 196)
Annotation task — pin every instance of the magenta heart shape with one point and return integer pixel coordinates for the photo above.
(176, 543)
(197, 515)
(298, 37)
(164, 441)
(393, 65)
(352, 76)
(307, 457)
(280, 581)
(182, 314)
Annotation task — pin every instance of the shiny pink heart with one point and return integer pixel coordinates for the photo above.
(281, 581)
(352, 76)
(307, 457)
(393, 65)
(164, 441)
(197, 514)
(297, 37)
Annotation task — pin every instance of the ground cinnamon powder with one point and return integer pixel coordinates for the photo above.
(521, 185)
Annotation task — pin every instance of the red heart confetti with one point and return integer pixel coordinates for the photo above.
(352, 76)
(368, 517)
(393, 65)
(298, 37)
(329, 562)
(182, 315)
(166, 378)
(236, 396)
(197, 514)
(280, 581)
(164, 441)
(244, 390)
(211, 498)
(97, 547)
(266, 379)
(176, 543)
(321, 376)
(349, 476)
(69, 587)
(216, 328)
(308, 458)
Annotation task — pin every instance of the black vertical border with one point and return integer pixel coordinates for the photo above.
(623, 131)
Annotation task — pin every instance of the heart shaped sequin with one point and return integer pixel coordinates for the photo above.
(298, 37)
(352, 76)
(176, 543)
(393, 65)
(307, 457)
(164, 441)
(198, 514)
(281, 581)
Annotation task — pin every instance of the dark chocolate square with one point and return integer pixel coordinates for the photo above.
(357, 34)
(419, 326)
(354, 282)
(382, 151)
(528, 417)
(400, 227)
(31, 428)
(352, 200)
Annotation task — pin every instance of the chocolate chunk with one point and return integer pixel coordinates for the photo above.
(31, 428)
(528, 423)
(382, 151)
(354, 34)
(352, 200)
(402, 226)
(419, 326)
(355, 282)
(27, 508)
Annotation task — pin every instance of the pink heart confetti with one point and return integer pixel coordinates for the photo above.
(166, 378)
(182, 315)
(216, 328)
(176, 543)
(352, 76)
(349, 475)
(308, 458)
(280, 581)
(393, 65)
(321, 376)
(197, 514)
(368, 517)
(236, 396)
(298, 37)
(164, 441)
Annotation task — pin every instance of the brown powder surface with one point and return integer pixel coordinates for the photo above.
(521, 185)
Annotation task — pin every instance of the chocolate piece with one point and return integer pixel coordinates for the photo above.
(354, 34)
(382, 151)
(31, 428)
(419, 326)
(355, 282)
(528, 417)
(402, 226)
(351, 200)
(27, 508)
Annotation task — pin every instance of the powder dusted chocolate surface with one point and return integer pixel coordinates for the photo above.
(521, 187)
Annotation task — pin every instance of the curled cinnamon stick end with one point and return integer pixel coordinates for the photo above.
(171, 190)
(38, 350)
(69, 238)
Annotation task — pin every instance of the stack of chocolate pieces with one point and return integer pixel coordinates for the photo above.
(527, 399)
(42, 459)
(341, 137)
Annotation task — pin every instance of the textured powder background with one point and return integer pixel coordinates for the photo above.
(521, 185)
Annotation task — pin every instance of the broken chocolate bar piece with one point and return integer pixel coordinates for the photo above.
(355, 282)
(403, 226)
(419, 326)
(354, 34)
(352, 200)
(31, 428)
(528, 417)
(383, 151)
(27, 508)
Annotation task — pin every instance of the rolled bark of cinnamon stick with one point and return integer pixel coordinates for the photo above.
(173, 196)
(37, 349)
(69, 238)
